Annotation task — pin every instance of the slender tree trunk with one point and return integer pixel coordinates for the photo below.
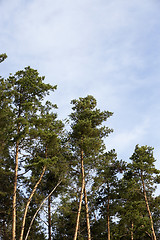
(80, 200)
(40, 208)
(49, 218)
(28, 202)
(87, 214)
(108, 219)
(108, 213)
(15, 194)
(132, 230)
(147, 205)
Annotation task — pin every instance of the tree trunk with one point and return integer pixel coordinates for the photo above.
(81, 197)
(15, 194)
(49, 218)
(87, 214)
(108, 219)
(40, 208)
(132, 230)
(108, 213)
(28, 202)
(147, 205)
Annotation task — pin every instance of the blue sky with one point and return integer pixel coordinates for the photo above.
(107, 48)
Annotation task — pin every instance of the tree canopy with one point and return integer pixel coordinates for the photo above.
(61, 182)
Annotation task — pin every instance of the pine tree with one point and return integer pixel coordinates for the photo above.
(106, 188)
(6, 162)
(133, 219)
(48, 152)
(86, 139)
(145, 173)
(27, 92)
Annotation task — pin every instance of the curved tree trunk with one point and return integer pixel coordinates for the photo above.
(147, 205)
(28, 202)
(40, 208)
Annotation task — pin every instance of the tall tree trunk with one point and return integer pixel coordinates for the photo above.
(40, 208)
(108, 219)
(147, 205)
(108, 213)
(132, 230)
(87, 213)
(49, 218)
(28, 202)
(15, 194)
(81, 197)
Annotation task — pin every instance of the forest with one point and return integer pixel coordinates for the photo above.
(57, 181)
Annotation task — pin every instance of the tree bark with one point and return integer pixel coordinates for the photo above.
(15, 194)
(87, 213)
(147, 205)
(49, 218)
(81, 197)
(28, 202)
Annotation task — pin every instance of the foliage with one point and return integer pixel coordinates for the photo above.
(121, 195)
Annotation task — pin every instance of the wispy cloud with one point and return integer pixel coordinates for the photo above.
(125, 140)
(110, 49)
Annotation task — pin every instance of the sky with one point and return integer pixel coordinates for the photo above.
(106, 48)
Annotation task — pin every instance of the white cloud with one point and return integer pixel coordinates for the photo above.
(130, 137)
(110, 49)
